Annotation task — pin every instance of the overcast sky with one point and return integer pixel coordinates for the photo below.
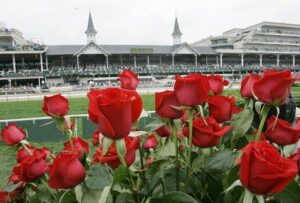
(139, 21)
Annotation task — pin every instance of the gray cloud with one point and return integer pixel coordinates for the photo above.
(139, 21)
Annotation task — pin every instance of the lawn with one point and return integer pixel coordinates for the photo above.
(29, 109)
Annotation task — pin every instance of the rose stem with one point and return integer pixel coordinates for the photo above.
(265, 112)
(69, 134)
(141, 152)
(175, 140)
(123, 162)
(190, 121)
(46, 185)
(26, 148)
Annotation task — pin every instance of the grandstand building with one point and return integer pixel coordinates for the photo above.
(23, 62)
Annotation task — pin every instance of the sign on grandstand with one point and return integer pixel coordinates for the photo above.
(140, 50)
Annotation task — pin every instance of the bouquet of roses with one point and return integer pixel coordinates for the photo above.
(200, 147)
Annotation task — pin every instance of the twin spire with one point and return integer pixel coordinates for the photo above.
(91, 31)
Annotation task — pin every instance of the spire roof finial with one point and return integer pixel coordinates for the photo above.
(90, 29)
(176, 30)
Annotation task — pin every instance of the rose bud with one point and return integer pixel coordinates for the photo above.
(96, 138)
(163, 131)
(128, 80)
(282, 132)
(263, 170)
(149, 161)
(23, 153)
(164, 102)
(12, 134)
(33, 167)
(206, 134)
(66, 171)
(55, 106)
(225, 82)
(296, 157)
(15, 177)
(191, 90)
(115, 110)
(221, 107)
(151, 142)
(247, 85)
(274, 87)
(111, 157)
(216, 83)
(81, 147)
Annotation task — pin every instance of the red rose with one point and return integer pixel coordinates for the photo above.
(206, 135)
(115, 110)
(66, 171)
(149, 161)
(274, 87)
(263, 170)
(296, 157)
(22, 153)
(111, 157)
(282, 132)
(221, 107)
(81, 147)
(247, 85)
(32, 167)
(236, 110)
(163, 131)
(12, 134)
(225, 82)
(191, 90)
(128, 80)
(96, 138)
(55, 106)
(4, 197)
(216, 83)
(164, 102)
(151, 142)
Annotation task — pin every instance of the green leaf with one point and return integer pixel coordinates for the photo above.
(175, 197)
(290, 194)
(120, 174)
(10, 187)
(78, 193)
(121, 198)
(67, 197)
(242, 121)
(98, 177)
(137, 133)
(167, 150)
(91, 197)
(106, 144)
(104, 194)
(121, 147)
(220, 162)
(154, 125)
(248, 198)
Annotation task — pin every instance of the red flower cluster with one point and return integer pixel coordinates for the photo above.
(111, 157)
(273, 87)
